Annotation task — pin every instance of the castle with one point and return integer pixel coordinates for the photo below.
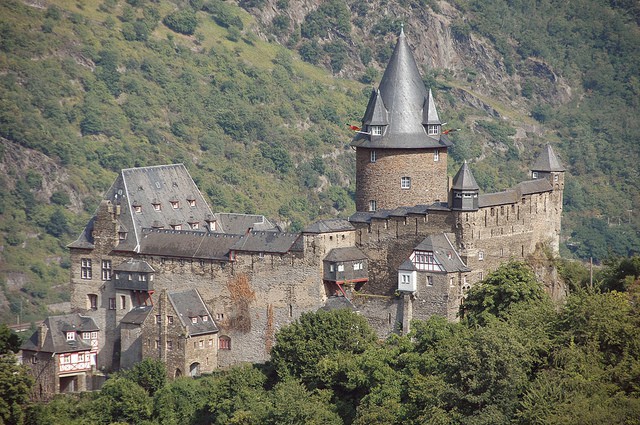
(157, 274)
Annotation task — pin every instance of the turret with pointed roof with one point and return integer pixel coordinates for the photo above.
(401, 152)
(465, 190)
(548, 166)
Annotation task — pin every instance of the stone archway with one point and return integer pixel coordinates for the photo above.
(194, 369)
(178, 373)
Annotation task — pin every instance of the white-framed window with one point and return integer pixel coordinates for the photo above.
(534, 174)
(195, 226)
(340, 267)
(332, 267)
(194, 320)
(175, 204)
(357, 266)
(480, 255)
(176, 226)
(85, 268)
(373, 156)
(433, 130)
(205, 318)
(373, 205)
(405, 278)
(106, 270)
(71, 336)
(405, 182)
(123, 302)
(157, 207)
(555, 177)
(219, 316)
(65, 358)
(192, 202)
(112, 303)
(436, 155)
(86, 335)
(94, 335)
(376, 130)
(137, 208)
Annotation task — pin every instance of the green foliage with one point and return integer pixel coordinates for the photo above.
(121, 400)
(182, 21)
(150, 374)
(15, 382)
(332, 15)
(511, 283)
(303, 344)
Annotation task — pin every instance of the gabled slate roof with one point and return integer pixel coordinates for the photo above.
(345, 254)
(329, 226)
(137, 315)
(137, 266)
(408, 266)
(401, 100)
(145, 187)
(444, 252)
(498, 198)
(56, 338)
(464, 179)
(238, 224)
(187, 244)
(547, 161)
(430, 112)
(189, 304)
(273, 242)
(336, 302)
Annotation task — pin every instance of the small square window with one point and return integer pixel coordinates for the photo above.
(137, 208)
(170, 319)
(205, 318)
(405, 182)
(376, 130)
(534, 174)
(340, 267)
(86, 335)
(194, 320)
(433, 130)
(71, 336)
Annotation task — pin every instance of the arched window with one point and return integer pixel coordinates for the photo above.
(224, 342)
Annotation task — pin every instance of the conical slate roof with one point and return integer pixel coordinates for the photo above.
(401, 100)
(464, 180)
(547, 161)
(430, 111)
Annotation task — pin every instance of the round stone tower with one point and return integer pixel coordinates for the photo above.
(401, 152)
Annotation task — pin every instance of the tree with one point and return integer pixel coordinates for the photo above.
(15, 381)
(511, 283)
(121, 400)
(150, 374)
(9, 340)
(183, 21)
(301, 346)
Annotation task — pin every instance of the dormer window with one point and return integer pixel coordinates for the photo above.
(340, 267)
(194, 320)
(176, 226)
(137, 208)
(376, 130)
(195, 226)
(192, 202)
(534, 174)
(157, 206)
(205, 318)
(71, 336)
(175, 204)
(122, 235)
(433, 130)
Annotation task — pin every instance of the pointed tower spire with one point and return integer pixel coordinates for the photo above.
(547, 161)
(465, 190)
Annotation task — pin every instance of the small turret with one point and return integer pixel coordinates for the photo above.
(465, 190)
(548, 166)
(430, 118)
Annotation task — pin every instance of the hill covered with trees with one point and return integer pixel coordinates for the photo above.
(253, 97)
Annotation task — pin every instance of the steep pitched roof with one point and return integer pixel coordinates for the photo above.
(56, 338)
(464, 179)
(188, 304)
(547, 161)
(403, 101)
(144, 187)
(444, 252)
(337, 303)
(430, 112)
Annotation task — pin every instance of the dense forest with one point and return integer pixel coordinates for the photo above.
(514, 358)
(254, 98)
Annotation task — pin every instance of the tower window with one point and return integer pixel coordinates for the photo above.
(480, 255)
(534, 174)
(106, 269)
(85, 268)
(376, 130)
(555, 177)
(405, 182)
(372, 205)
(433, 130)
(436, 155)
(374, 156)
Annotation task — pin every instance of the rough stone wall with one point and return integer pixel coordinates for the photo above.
(380, 180)
(389, 242)
(130, 345)
(384, 313)
(44, 370)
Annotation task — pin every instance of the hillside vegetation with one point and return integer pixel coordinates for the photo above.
(254, 97)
